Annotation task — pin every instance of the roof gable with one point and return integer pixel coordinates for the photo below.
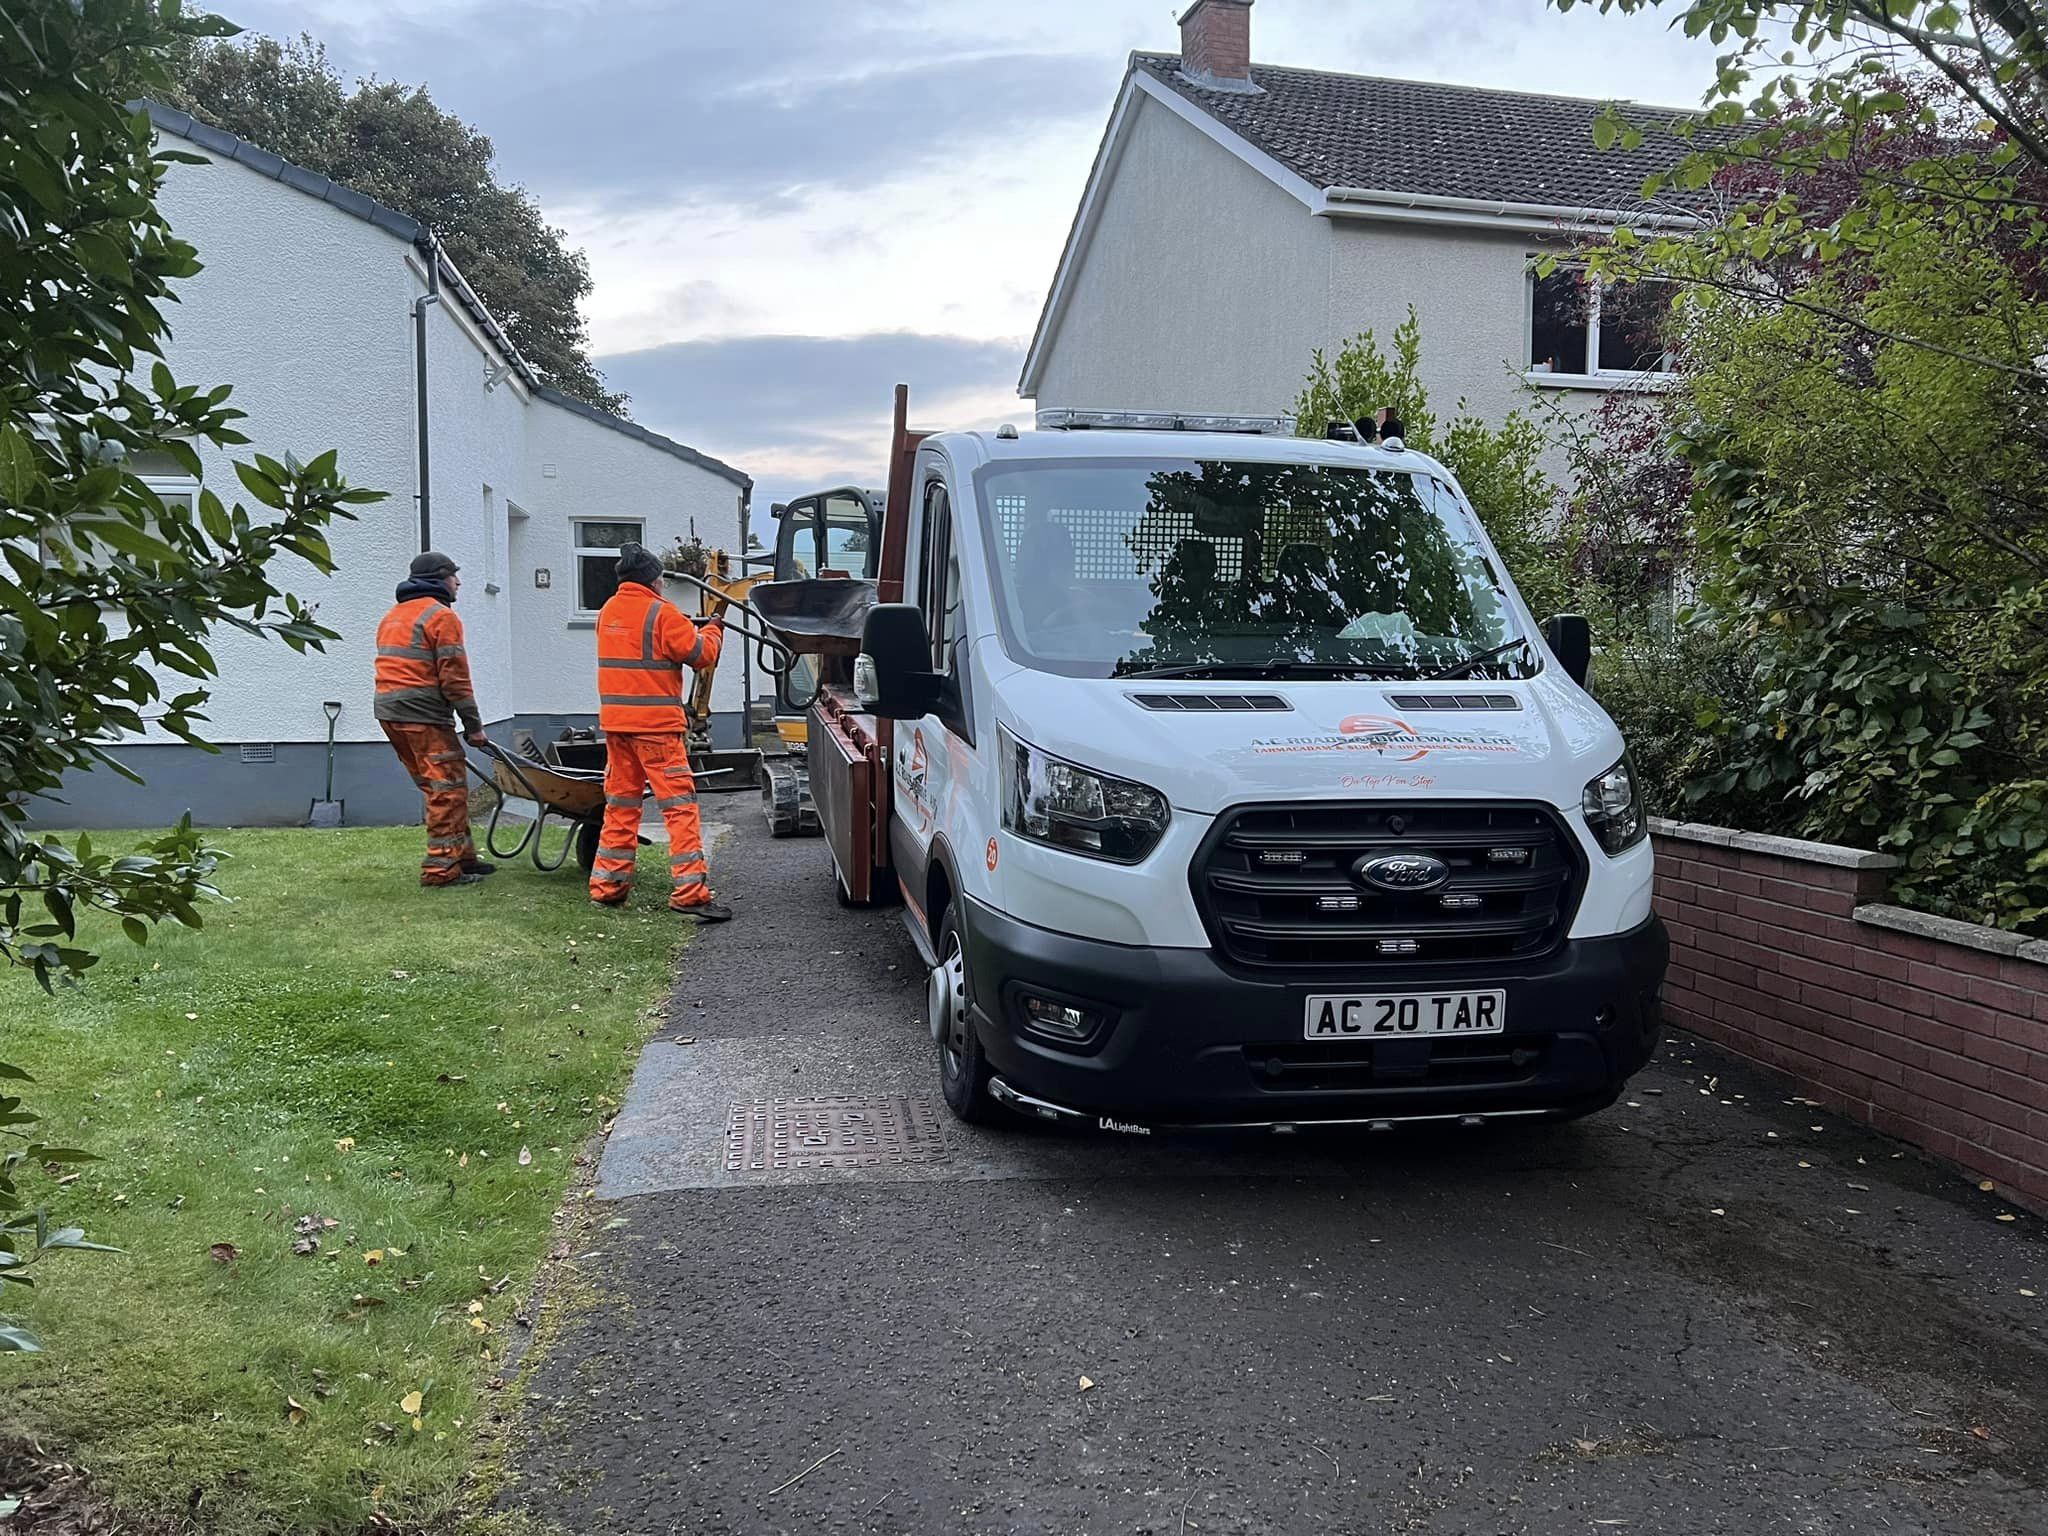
(228, 146)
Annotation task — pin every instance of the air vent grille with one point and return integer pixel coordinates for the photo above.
(1170, 703)
(1426, 701)
(259, 752)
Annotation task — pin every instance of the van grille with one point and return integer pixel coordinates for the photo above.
(1278, 885)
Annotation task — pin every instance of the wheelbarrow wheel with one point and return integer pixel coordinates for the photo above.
(587, 835)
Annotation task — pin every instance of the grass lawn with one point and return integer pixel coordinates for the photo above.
(336, 1043)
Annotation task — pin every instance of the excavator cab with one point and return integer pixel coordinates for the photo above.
(828, 551)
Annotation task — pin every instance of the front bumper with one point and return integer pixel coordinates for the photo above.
(1189, 1041)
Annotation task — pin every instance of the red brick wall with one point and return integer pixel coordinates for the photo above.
(1940, 1043)
(1216, 39)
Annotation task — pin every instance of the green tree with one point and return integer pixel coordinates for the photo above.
(1498, 466)
(106, 589)
(391, 142)
(1865, 414)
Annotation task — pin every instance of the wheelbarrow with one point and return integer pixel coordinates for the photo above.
(567, 782)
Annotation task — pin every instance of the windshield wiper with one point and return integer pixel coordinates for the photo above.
(1460, 668)
(1273, 666)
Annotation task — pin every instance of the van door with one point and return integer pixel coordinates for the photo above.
(930, 752)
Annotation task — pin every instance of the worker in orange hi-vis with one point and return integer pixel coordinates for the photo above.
(422, 687)
(645, 648)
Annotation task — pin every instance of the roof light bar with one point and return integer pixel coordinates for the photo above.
(1067, 420)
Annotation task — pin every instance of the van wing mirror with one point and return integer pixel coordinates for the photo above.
(893, 676)
(1570, 639)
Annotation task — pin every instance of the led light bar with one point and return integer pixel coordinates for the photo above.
(1063, 419)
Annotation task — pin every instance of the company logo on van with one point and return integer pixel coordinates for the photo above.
(1402, 873)
(1388, 738)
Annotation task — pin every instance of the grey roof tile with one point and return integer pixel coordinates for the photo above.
(1419, 136)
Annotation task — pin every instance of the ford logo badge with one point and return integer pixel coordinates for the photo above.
(1402, 873)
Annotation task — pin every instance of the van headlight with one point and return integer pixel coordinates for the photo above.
(1064, 805)
(1614, 808)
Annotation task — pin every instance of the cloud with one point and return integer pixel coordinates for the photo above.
(752, 104)
(803, 412)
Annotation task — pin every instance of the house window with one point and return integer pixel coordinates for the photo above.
(1584, 326)
(597, 561)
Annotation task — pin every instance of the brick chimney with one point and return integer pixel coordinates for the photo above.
(1216, 44)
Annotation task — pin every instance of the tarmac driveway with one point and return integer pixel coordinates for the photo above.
(1713, 1308)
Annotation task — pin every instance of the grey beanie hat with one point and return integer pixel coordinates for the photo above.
(638, 563)
(433, 566)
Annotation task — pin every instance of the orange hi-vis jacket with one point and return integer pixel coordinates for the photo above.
(644, 645)
(422, 668)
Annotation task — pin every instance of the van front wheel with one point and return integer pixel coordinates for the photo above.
(963, 1069)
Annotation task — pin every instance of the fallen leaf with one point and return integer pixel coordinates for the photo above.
(475, 1307)
(224, 1253)
(1864, 1187)
(295, 1410)
(2025, 1292)
(1717, 1211)
(2007, 1216)
(360, 1300)
(373, 1256)
(525, 1156)
(452, 1077)
(409, 1404)
(479, 1325)
(346, 1144)
(462, 1161)
(306, 1246)
(1987, 1186)
(191, 1015)
(1806, 1165)
(1087, 1385)
(1980, 1431)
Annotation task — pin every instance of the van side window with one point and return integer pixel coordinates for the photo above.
(940, 588)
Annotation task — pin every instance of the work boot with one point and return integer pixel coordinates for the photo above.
(705, 912)
(465, 878)
(478, 867)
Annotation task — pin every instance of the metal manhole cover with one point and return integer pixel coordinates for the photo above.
(778, 1134)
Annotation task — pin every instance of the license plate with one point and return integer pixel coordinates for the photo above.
(1347, 1016)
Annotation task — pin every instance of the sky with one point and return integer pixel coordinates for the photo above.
(791, 205)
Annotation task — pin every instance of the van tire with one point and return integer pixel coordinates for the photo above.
(964, 1071)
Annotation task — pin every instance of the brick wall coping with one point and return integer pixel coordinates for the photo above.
(1796, 848)
(1949, 930)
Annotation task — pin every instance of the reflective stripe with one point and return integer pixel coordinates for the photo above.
(408, 652)
(419, 628)
(655, 665)
(432, 862)
(441, 651)
(691, 882)
(670, 802)
(445, 757)
(427, 692)
(647, 631)
(628, 802)
(442, 783)
(642, 700)
(696, 656)
(617, 853)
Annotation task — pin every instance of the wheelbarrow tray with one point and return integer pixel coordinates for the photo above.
(575, 793)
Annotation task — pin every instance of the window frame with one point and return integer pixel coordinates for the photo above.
(579, 551)
(1589, 375)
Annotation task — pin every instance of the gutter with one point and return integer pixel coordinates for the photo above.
(1435, 208)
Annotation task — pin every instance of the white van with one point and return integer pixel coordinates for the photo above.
(1235, 785)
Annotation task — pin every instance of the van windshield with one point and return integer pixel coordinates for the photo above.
(1120, 568)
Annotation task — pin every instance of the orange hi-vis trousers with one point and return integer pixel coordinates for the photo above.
(634, 763)
(432, 754)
